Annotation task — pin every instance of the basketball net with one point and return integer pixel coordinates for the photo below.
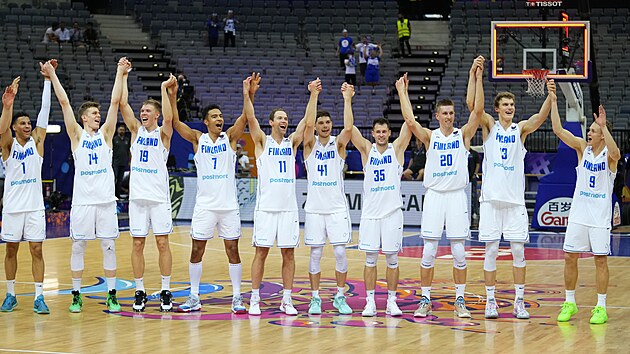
(536, 81)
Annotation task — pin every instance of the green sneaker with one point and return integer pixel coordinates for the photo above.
(340, 304)
(112, 301)
(599, 315)
(315, 307)
(568, 310)
(77, 302)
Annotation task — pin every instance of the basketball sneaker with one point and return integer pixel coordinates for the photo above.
(460, 308)
(112, 301)
(237, 305)
(519, 310)
(491, 309)
(77, 302)
(424, 309)
(340, 304)
(315, 307)
(286, 306)
(370, 308)
(567, 311)
(140, 298)
(39, 306)
(166, 301)
(9, 303)
(599, 315)
(192, 304)
(254, 306)
(392, 308)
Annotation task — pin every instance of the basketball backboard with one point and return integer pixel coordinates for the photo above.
(562, 47)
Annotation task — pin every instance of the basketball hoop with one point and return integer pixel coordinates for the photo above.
(536, 81)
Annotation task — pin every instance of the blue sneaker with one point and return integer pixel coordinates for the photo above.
(39, 306)
(10, 302)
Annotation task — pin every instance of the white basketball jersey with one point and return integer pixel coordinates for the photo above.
(23, 180)
(93, 173)
(504, 166)
(325, 193)
(381, 185)
(216, 183)
(592, 199)
(446, 168)
(149, 177)
(276, 177)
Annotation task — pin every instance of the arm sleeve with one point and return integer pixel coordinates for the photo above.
(44, 112)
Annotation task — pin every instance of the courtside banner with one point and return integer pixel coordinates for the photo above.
(412, 196)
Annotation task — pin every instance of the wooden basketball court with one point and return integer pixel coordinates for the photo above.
(215, 329)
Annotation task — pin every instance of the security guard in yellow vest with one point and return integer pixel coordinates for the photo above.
(404, 32)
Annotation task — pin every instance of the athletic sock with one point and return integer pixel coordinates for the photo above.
(236, 273)
(39, 289)
(166, 282)
(370, 294)
(601, 300)
(140, 284)
(519, 291)
(426, 292)
(340, 291)
(11, 287)
(256, 294)
(460, 290)
(570, 296)
(286, 295)
(490, 292)
(76, 284)
(111, 283)
(194, 271)
(316, 293)
(391, 294)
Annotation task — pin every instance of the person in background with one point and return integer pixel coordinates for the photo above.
(213, 30)
(343, 46)
(404, 32)
(415, 169)
(229, 29)
(120, 162)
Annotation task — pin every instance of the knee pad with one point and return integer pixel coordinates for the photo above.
(429, 252)
(518, 254)
(370, 259)
(78, 253)
(316, 257)
(490, 261)
(341, 264)
(459, 254)
(109, 254)
(392, 260)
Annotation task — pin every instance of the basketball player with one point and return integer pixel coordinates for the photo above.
(216, 205)
(326, 208)
(149, 197)
(23, 216)
(93, 213)
(445, 202)
(382, 217)
(590, 216)
(502, 210)
(276, 213)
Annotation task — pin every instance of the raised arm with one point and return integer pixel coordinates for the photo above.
(257, 134)
(109, 127)
(189, 134)
(471, 88)
(566, 136)
(7, 105)
(39, 133)
(236, 131)
(310, 116)
(125, 109)
(401, 143)
(534, 122)
(311, 111)
(361, 143)
(344, 137)
(469, 129)
(613, 150)
(167, 111)
(423, 134)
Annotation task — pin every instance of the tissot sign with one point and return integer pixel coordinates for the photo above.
(537, 3)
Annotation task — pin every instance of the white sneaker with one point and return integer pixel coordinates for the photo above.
(460, 308)
(519, 309)
(254, 306)
(424, 309)
(392, 308)
(370, 308)
(491, 309)
(287, 307)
